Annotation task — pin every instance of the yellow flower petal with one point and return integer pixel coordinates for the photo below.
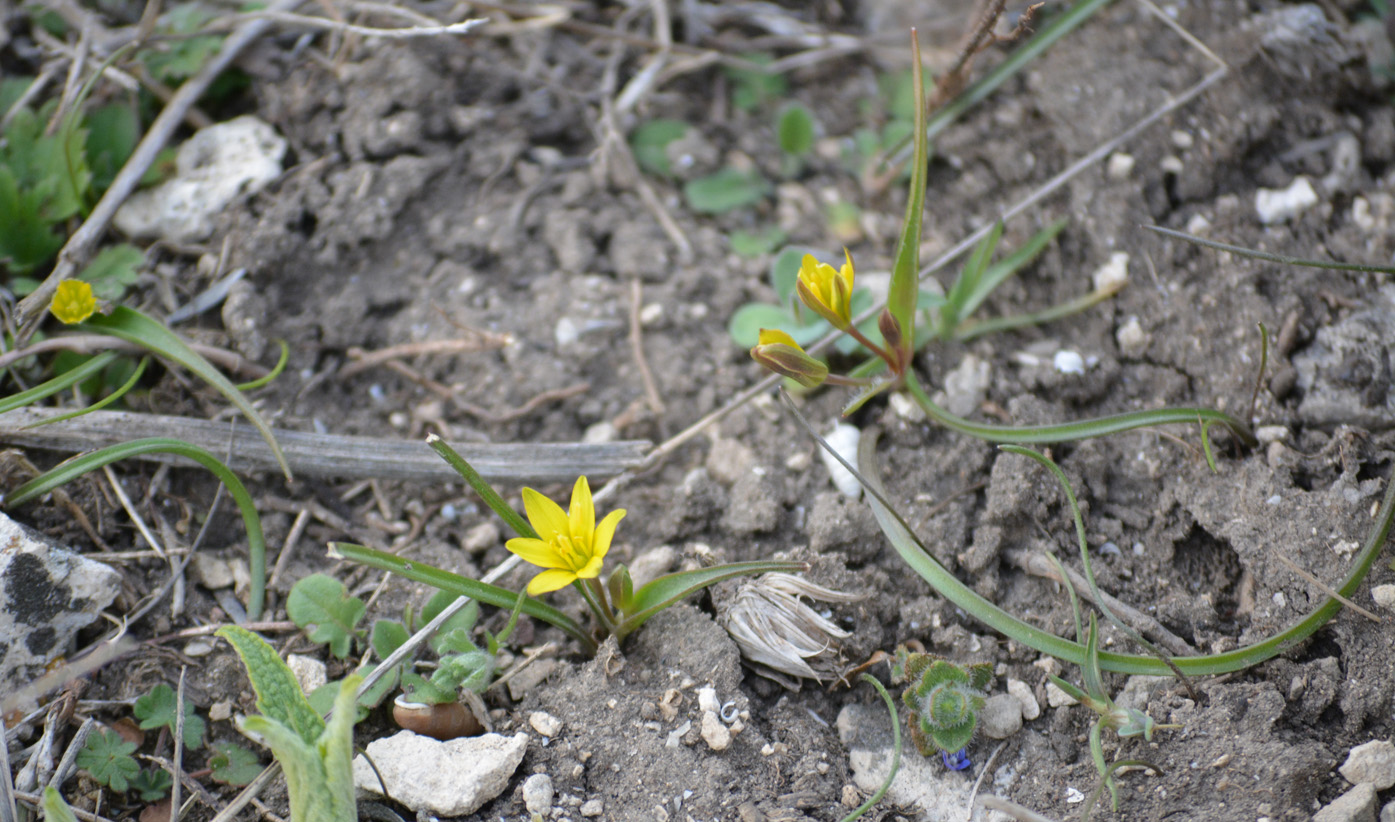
(592, 569)
(582, 516)
(605, 533)
(73, 302)
(534, 551)
(774, 336)
(546, 516)
(550, 580)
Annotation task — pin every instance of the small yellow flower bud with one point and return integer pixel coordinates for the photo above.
(779, 352)
(73, 301)
(826, 291)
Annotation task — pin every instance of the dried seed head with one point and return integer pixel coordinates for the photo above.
(778, 633)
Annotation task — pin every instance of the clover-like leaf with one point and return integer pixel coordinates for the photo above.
(156, 710)
(107, 757)
(152, 785)
(113, 270)
(233, 764)
(322, 607)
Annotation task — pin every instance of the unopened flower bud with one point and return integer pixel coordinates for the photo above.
(778, 352)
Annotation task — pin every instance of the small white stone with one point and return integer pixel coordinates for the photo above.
(1119, 166)
(843, 439)
(906, 408)
(537, 793)
(1171, 164)
(1057, 698)
(1132, 339)
(1387, 814)
(1114, 274)
(1068, 362)
(596, 433)
(447, 779)
(1356, 805)
(1022, 692)
(1271, 433)
(1198, 225)
(1344, 548)
(1182, 139)
(966, 386)
(651, 314)
(481, 538)
(1384, 596)
(566, 332)
(545, 723)
(1361, 214)
(714, 733)
(202, 646)
(707, 699)
(308, 671)
(1074, 796)
(1278, 205)
(651, 565)
(592, 807)
(1373, 762)
(1049, 664)
(1001, 716)
(1279, 600)
(798, 461)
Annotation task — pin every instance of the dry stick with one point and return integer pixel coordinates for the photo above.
(651, 391)
(135, 517)
(1322, 586)
(1016, 811)
(325, 455)
(302, 519)
(80, 245)
(8, 812)
(97, 343)
(987, 766)
(363, 359)
(325, 24)
(177, 759)
(1038, 565)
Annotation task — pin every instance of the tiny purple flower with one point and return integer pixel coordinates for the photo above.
(957, 761)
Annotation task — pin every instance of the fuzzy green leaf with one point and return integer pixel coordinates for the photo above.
(322, 607)
(108, 758)
(278, 694)
(794, 129)
(233, 764)
(157, 710)
(727, 190)
(152, 785)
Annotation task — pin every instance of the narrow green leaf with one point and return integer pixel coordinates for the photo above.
(103, 402)
(74, 467)
(905, 270)
(486, 491)
(62, 382)
(458, 585)
(669, 588)
(132, 326)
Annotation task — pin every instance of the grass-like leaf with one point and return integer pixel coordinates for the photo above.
(669, 588)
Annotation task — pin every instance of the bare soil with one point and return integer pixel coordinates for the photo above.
(439, 183)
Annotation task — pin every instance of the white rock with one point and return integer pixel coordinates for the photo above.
(921, 782)
(1057, 698)
(707, 699)
(1182, 139)
(308, 671)
(651, 565)
(1356, 805)
(1114, 274)
(843, 439)
(1271, 433)
(481, 538)
(966, 386)
(1132, 339)
(537, 793)
(217, 165)
(1119, 166)
(1137, 689)
(1198, 225)
(545, 723)
(1387, 814)
(906, 408)
(1384, 596)
(211, 572)
(714, 733)
(1022, 692)
(1278, 205)
(1373, 762)
(599, 432)
(443, 778)
(1068, 362)
(1171, 164)
(1001, 716)
(47, 594)
(566, 332)
(592, 807)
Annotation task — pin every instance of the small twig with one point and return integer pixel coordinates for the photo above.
(364, 360)
(325, 24)
(130, 509)
(96, 343)
(208, 630)
(1322, 586)
(1016, 811)
(987, 767)
(288, 546)
(36, 88)
(651, 391)
(54, 679)
(176, 761)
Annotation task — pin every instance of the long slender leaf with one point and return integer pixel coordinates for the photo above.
(486, 491)
(103, 402)
(669, 588)
(994, 274)
(905, 270)
(71, 469)
(458, 585)
(134, 327)
(62, 382)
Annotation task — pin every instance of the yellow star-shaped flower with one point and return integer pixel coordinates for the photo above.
(73, 302)
(570, 545)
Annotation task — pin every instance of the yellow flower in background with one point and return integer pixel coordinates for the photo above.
(73, 301)
(827, 292)
(779, 352)
(570, 545)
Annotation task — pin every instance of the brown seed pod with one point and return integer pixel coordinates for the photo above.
(447, 720)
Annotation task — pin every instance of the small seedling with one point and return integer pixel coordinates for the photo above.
(152, 785)
(944, 700)
(157, 710)
(650, 143)
(757, 243)
(752, 87)
(726, 190)
(323, 608)
(107, 757)
(232, 764)
(794, 131)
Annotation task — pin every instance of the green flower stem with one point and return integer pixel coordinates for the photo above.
(852, 331)
(460, 586)
(595, 600)
(1084, 429)
(71, 469)
(948, 586)
(977, 328)
(895, 750)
